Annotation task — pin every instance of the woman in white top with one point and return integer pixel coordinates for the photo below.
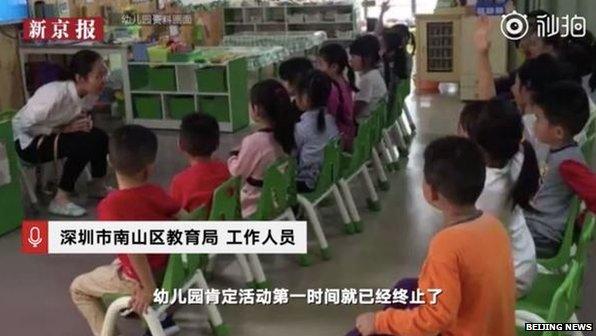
(55, 124)
(512, 177)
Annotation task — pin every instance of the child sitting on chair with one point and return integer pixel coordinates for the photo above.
(132, 152)
(199, 139)
(469, 259)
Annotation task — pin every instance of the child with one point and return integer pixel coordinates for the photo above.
(364, 58)
(333, 61)
(199, 138)
(397, 60)
(561, 112)
(132, 151)
(511, 177)
(272, 111)
(469, 259)
(292, 70)
(314, 129)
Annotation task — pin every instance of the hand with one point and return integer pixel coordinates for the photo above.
(385, 6)
(81, 124)
(141, 299)
(366, 324)
(482, 34)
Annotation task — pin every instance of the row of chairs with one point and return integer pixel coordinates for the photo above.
(556, 292)
(278, 200)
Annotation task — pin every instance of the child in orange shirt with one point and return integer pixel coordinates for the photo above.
(469, 259)
(194, 186)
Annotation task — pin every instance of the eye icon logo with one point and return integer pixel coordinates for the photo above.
(514, 25)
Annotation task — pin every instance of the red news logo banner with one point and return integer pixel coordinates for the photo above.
(64, 29)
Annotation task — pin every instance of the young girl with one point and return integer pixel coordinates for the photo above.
(54, 125)
(271, 110)
(397, 60)
(511, 177)
(364, 58)
(314, 129)
(333, 61)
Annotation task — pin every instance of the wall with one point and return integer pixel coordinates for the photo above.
(11, 89)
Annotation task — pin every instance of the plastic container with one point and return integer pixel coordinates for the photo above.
(158, 54)
(180, 106)
(212, 79)
(162, 78)
(146, 106)
(216, 106)
(184, 57)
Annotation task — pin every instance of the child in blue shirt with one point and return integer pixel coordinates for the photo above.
(314, 129)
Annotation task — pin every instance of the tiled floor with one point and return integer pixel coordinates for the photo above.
(34, 296)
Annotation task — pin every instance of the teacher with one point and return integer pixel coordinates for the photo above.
(55, 124)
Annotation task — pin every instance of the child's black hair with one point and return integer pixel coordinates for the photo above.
(565, 104)
(538, 73)
(80, 64)
(455, 167)
(199, 134)
(577, 51)
(132, 149)
(334, 53)
(316, 85)
(274, 101)
(497, 127)
(555, 41)
(367, 47)
(397, 38)
(293, 69)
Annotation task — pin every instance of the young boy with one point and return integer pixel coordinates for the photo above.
(469, 259)
(561, 112)
(199, 138)
(132, 152)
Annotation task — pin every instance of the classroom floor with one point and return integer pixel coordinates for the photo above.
(34, 297)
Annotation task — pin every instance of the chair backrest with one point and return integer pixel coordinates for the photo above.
(585, 238)
(226, 201)
(175, 274)
(330, 169)
(279, 190)
(379, 119)
(360, 149)
(588, 149)
(564, 254)
(403, 89)
(564, 301)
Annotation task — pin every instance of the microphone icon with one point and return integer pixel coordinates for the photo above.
(34, 237)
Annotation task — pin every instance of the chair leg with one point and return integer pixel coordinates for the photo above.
(406, 124)
(409, 116)
(29, 188)
(373, 201)
(152, 320)
(393, 151)
(210, 266)
(351, 205)
(404, 130)
(219, 328)
(380, 171)
(573, 319)
(248, 276)
(313, 219)
(257, 269)
(348, 225)
(401, 142)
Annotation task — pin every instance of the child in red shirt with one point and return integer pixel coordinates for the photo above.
(199, 139)
(132, 154)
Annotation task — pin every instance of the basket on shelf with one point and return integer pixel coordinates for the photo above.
(313, 18)
(343, 17)
(295, 18)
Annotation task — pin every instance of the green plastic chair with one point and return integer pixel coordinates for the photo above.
(179, 274)
(559, 307)
(395, 122)
(588, 149)
(378, 145)
(278, 196)
(591, 128)
(404, 89)
(326, 185)
(355, 164)
(225, 206)
(556, 263)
